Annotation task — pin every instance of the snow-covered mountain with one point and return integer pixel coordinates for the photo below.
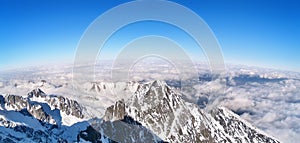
(154, 112)
(161, 109)
(37, 117)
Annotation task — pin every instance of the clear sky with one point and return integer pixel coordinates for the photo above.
(250, 32)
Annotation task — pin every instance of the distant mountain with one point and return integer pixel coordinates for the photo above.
(154, 112)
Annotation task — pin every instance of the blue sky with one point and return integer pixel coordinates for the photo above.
(262, 33)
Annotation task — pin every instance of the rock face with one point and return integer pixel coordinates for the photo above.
(119, 127)
(115, 112)
(162, 110)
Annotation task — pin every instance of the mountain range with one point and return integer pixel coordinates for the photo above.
(154, 112)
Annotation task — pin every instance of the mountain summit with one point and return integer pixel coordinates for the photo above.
(159, 108)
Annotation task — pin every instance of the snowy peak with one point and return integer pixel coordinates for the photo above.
(66, 105)
(153, 94)
(42, 106)
(36, 93)
(161, 109)
(110, 88)
(25, 106)
(40, 118)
